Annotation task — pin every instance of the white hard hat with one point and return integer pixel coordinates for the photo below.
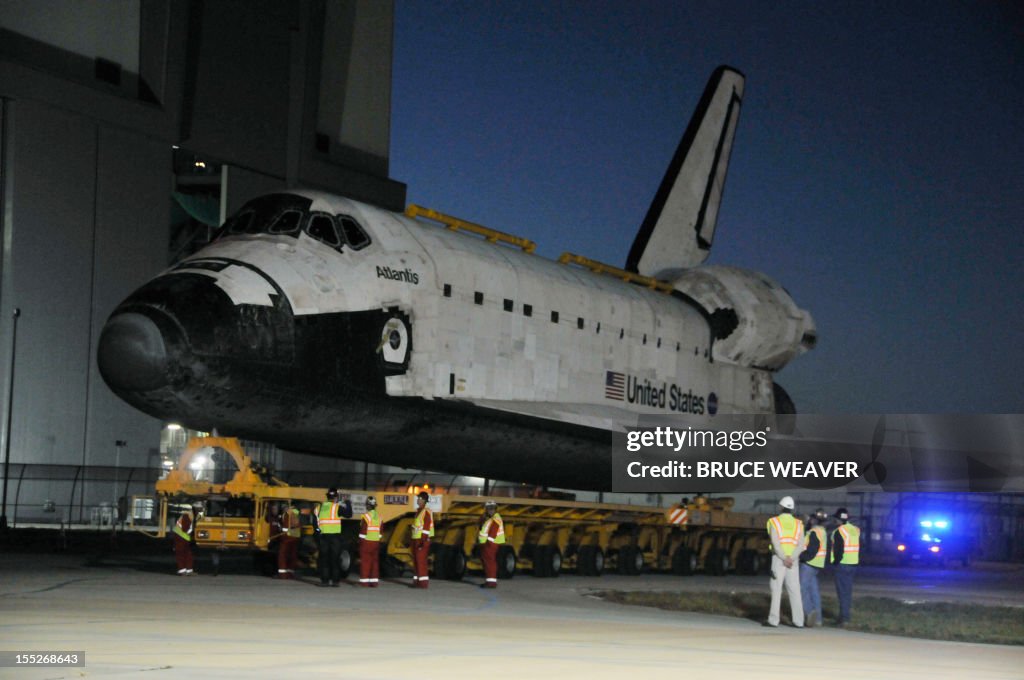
(787, 502)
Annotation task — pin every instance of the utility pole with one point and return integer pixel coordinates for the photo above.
(7, 422)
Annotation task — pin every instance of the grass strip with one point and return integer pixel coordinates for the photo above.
(960, 622)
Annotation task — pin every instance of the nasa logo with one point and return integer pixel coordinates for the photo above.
(712, 403)
(407, 275)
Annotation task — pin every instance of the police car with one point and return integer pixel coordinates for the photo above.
(934, 542)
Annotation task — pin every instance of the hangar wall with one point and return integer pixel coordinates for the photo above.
(72, 247)
(94, 103)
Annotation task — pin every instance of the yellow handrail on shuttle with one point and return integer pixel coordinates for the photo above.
(455, 224)
(602, 268)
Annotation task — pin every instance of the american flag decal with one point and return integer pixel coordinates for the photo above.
(614, 385)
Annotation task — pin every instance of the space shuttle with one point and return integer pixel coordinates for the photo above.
(326, 325)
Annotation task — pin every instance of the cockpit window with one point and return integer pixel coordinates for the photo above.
(289, 215)
(322, 228)
(273, 214)
(286, 223)
(240, 223)
(354, 234)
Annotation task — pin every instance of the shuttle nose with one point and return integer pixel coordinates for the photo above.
(132, 355)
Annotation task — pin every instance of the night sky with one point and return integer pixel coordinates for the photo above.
(877, 172)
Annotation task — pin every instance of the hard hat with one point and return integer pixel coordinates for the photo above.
(842, 514)
(490, 504)
(787, 502)
(332, 493)
(821, 514)
(423, 496)
(371, 501)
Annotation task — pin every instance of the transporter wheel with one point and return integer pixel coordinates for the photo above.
(440, 553)
(345, 559)
(591, 561)
(506, 562)
(717, 562)
(637, 565)
(684, 561)
(553, 558)
(631, 560)
(391, 567)
(741, 562)
(744, 562)
(456, 568)
(757, 562)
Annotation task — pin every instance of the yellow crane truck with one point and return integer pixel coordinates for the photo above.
(544, 536)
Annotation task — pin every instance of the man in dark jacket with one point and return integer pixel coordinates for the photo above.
(812, 561)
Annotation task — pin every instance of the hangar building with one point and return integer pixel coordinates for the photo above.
(129, 128)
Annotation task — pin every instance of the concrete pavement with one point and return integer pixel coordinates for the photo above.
(132, 617)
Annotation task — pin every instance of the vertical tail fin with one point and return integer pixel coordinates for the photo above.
(680, 224)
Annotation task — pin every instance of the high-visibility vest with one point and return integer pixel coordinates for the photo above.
(786, 527)
(819, 557)
(294, 525)
(328, 517)
(851, 543)
(372, 520)
(186, 535)
(485, 531)
(423, 524)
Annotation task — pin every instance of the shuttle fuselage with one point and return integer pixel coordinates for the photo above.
(323, 324)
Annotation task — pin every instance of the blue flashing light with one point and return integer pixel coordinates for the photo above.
(934, 523)
(926, 538)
